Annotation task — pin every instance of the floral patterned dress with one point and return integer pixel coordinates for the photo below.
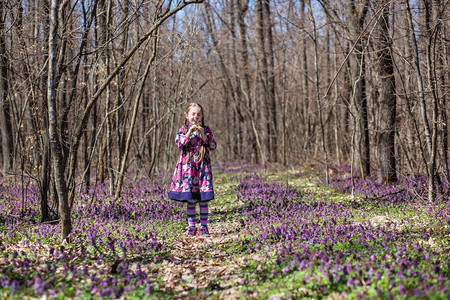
(192, 179)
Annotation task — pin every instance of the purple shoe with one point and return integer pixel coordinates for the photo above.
(204, 231)
(192, 231)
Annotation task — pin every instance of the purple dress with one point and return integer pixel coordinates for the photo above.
(192, 181)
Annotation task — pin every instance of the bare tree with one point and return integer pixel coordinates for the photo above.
(437, 56)
(244, 82)
(57, 152)
(430, 130)
(263, 96)
(5, 102)
(307, 116)
(271, 92)
(356, 14)
(387, 101)
(315, 40)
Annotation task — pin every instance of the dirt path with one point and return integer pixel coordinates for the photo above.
(203, 266)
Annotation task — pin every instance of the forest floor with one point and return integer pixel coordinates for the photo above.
(217, 266)
(275, 233)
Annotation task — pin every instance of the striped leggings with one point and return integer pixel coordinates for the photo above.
(190, 212)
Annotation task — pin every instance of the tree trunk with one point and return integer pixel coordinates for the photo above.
(421, 91)
(242, 7)
(337, 115)
(356, 17)
(45, 178)
(5, 104)
(318, 98)
(101, 36)
(237, 132)
(120, 114)
(86, 152)
(306, 115)
(44, 187)
(271, 100)
(57, 154)
(387, 102)
(264, 116)
(439, 36)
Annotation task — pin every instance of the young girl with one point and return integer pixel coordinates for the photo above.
(192, 179)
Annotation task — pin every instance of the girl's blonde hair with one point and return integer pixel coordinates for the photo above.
(186, 123)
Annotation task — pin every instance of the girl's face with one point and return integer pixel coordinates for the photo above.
(194, 114)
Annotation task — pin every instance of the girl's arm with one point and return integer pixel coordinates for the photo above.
(182, 138)
(210, 143)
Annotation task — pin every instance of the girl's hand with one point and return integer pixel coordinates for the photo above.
(202, 132)
(191, 128)
(199, 128)
(194, 127)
